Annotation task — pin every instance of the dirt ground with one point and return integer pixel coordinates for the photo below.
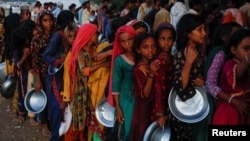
(12, 130)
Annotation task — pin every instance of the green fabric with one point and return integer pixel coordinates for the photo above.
(200, 129)
(96, 137)
(122, 80)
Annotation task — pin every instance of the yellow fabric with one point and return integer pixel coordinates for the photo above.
(66, 79)
(98, 81)
(9, 68)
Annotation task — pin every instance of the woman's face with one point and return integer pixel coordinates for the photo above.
(166, 40)
(126, 42)
(197, 35)
(47, 22)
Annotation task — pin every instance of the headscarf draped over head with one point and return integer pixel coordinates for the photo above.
(84, 35)
(41, 14)
(117, 50)
(166, 25)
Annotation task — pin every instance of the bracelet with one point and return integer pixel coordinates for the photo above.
(229, 100)
(247, 59)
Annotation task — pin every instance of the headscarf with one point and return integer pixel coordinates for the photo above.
(117, 50)
(84, 34)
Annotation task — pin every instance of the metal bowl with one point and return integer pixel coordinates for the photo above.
(8, 87)
(192, 110)
(53, 70)
(156, 133)
(2, 73)
(35, 101)
(104, 113)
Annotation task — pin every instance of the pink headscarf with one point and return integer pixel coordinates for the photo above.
(84, 34)
(117, 50)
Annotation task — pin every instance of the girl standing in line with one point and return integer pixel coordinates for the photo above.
(235, 81)
(143, 74)
(163, 80)
(45, 28)
(121, 84)
(54, 55)
(188, 71)
(80, 62)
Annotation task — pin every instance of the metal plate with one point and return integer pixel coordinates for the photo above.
(35, 101)
(2, 73)
(64, 126)
(156, 133)
(105, 113)
(8, 87)
(53, 69)
(192, 110)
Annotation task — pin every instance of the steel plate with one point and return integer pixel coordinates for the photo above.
(192, 110)
(53, 69)
(105, 113)
(35, 101)
(156, 133)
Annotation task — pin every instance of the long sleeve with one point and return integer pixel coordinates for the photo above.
(213, 74)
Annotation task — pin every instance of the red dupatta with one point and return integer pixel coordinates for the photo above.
(84, 35)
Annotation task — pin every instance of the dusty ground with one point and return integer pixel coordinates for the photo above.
(12, 130)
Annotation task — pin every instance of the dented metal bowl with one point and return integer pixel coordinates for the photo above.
(35, 101)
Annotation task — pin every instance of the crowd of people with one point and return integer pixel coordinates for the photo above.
(133, 57)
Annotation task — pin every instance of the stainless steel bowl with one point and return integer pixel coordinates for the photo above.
(2, 73)
(53, 70)
(192, 110)
(35, 101)
(105, 113)
(156, 133)
(8, 87)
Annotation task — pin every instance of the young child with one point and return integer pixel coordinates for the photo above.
(121, 80)
(80, 62)
(235, 81)
(163, 80)
(45, 27)
(188, 71)
(143, 74)
(54, 55)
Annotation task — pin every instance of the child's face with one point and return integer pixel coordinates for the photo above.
(197, 35)
(166, 40)
(147, 48)
(71, 37)
(91, 46)
(47, 22)
(126, 42)
(242, 49)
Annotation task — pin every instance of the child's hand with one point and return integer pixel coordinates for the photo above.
(199, 81)
(119, 115)
(106, 64)
(161, 121)
(154, 66)
(190, 54)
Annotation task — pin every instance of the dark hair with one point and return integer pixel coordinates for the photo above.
(72, 6)
(65, 18)
(235, 40)
(139, 24)
(163, 2)
(221, 31)
(137, 43)
(22, 35)
(186, 25)
(192, 3)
